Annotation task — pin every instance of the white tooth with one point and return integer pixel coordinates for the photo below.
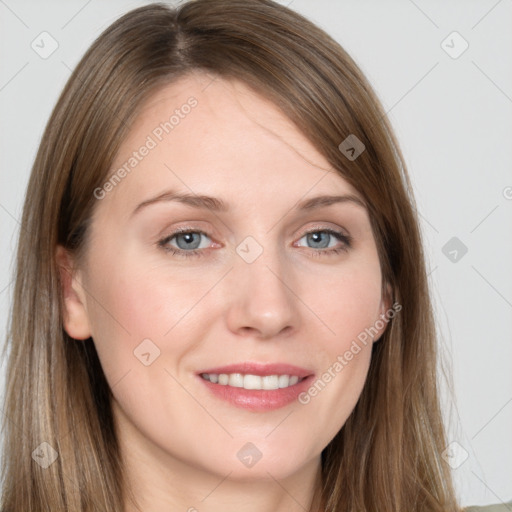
(270, 382)
(252, 382)
(284, 380)
(236, 380)
(249, 381)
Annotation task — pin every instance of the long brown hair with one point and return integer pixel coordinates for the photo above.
(387, 456)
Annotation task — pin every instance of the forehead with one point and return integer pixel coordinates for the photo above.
(206, 134)
(222, 107)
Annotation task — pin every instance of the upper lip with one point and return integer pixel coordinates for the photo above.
(261, 369)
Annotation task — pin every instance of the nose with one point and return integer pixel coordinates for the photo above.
(261, 301)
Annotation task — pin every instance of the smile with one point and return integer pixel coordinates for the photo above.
(248, 381)
(258, 387)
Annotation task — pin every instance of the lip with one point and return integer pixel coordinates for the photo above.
(260, 369)
(259, 400)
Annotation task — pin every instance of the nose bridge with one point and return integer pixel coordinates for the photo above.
(261, 297)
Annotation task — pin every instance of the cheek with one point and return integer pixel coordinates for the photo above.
(348, 307)
(130, 303)
(348, 302)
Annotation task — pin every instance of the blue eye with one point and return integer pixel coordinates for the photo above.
(323, 238)
(188, 243)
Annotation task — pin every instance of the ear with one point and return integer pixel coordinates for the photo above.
(384, 312)
(75, 317)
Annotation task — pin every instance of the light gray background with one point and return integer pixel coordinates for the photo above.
(453, 120)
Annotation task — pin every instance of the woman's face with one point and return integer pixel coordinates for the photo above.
(267, 286)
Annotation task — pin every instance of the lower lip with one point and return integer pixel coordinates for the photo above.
(258, 400)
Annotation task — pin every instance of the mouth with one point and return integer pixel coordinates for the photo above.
(249, 381)
(255, 386)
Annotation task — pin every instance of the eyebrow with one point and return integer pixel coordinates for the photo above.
(218, 205)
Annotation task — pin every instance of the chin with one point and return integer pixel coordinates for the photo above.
(249, 464)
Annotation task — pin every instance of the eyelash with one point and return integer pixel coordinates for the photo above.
(163, 243)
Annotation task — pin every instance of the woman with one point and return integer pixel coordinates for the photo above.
(221, 299)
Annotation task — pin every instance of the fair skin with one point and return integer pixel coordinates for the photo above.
(295, 304)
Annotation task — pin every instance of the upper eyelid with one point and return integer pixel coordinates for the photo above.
(319, 226)
(313, 229)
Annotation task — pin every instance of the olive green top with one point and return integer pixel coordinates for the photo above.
(505, 507)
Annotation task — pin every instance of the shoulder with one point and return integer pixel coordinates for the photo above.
(504, 507)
